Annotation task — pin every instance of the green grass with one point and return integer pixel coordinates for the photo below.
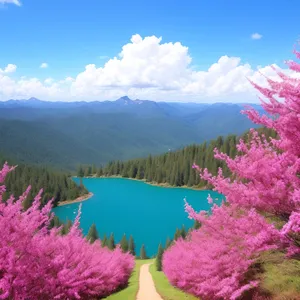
(130, 292)
(280, 277)
(280, 280)
(165, 289)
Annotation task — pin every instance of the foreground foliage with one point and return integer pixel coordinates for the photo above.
(38, 263)
(217, 261)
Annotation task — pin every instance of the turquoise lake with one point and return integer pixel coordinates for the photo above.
(149, 213)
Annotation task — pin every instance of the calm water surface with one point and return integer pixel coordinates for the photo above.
(149, 213)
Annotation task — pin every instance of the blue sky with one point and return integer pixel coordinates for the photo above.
(68, 35)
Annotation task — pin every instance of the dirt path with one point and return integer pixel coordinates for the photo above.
(147, 289)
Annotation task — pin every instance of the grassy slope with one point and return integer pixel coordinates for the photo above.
(165, 289)
(131, 291)
(280, 277)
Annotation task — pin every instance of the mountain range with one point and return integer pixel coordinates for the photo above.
(66, 134)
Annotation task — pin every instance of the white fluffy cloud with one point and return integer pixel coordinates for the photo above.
(10, 68)
(44, 65)
(147, 68)
(16, 2)
(256, 36)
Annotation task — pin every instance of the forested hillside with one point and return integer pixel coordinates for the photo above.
(55, 184)
(63, 135)
(175, 167)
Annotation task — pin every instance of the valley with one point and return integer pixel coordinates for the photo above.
(64, 135)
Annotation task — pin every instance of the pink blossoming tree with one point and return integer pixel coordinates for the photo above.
(215, 260)
(38, 263)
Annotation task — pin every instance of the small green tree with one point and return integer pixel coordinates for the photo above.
(55, 222)
(183, 232)
(63, 230)
(68, 225)
(94, 170)
(143, 254)
(100, 172)
(197, 224)
(80, 172)
(104, 241)
(131, 246)
(168, 243)
(27, 202)
(92, 235)
(159, 256)
(177, 234)
(124, 243)
(139, 174)
(111, 242)
(90, 169)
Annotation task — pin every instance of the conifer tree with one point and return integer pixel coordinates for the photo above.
(183, 232)
(104, 241)
(111, 242)
(197, 225)
(131, 246)
(139, 174)
(68, 225)
(55, 222)
(143, 254)
(177, 234)
(90, 170)
(80, 172)
(100, 172)
(124, 243)
(92, 235)
(159, 256)
(63, 230)
(168, 243)
(27, 202)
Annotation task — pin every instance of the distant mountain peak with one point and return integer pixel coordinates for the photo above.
(33, 99)
(125, 100)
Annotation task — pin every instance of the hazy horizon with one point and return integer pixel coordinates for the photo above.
(113, 100)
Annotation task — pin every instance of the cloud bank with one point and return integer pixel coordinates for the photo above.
(146, 68)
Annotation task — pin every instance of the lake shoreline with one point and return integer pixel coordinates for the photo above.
(79, 199)
(124, 206)
(153, 183)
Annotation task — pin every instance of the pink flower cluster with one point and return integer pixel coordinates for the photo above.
(38, 263)
(215, 260)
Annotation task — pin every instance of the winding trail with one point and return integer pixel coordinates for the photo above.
(147, 289)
